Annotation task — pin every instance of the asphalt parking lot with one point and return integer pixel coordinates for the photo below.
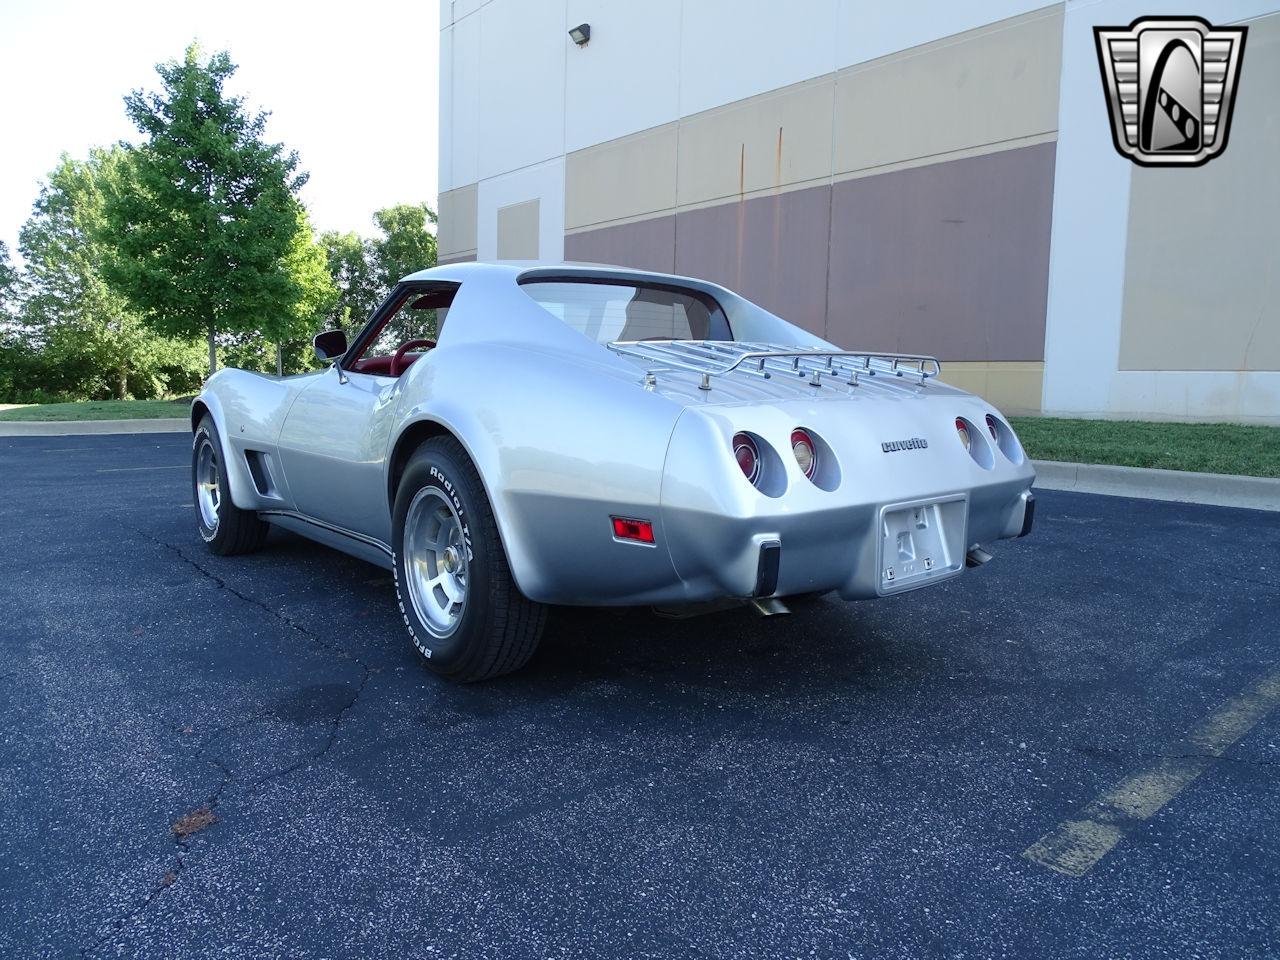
(856, 780)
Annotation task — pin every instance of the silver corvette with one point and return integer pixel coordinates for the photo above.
(504, 438)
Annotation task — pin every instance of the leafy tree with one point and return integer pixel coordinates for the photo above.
(308, 266)
(406, 245)
(82, 338)
(204, 233)
(9, 280)
(366, 270)
(283, 341)
(350, 261)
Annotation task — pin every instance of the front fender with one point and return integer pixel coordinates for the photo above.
(234, 468)
(249, 410)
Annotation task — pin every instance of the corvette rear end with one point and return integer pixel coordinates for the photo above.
(793, 472)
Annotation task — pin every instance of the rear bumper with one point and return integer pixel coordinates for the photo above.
(834, 530)
(838, 549)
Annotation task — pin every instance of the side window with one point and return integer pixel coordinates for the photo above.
(419, 315)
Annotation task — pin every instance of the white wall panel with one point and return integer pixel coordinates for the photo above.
(1087, 258)
(452, 11)
(521, 111)
(1191, 395)
(732, 49)
(1090, 226)
(867, 29)
(628, 77)
(461, 141)
(444, 170)
(543, 182)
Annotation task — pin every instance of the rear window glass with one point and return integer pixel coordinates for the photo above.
(611, 311)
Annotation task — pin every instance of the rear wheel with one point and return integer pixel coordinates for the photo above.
(464, 613)
(223, 526)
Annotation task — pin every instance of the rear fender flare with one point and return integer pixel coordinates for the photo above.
(463, 426)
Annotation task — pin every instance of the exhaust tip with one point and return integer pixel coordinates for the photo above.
(769, 606)
(976, 557)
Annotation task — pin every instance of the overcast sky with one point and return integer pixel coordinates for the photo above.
(353, 87)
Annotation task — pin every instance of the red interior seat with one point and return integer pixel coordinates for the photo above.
(382, 365)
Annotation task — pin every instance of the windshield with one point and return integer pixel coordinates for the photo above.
(609, 311)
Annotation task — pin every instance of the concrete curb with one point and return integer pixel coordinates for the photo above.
(69, 428)
(1182, 486)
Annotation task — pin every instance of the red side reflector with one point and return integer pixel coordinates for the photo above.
(640, 531)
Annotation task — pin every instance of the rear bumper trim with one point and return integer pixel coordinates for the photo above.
(1028, 514)
(767, 568)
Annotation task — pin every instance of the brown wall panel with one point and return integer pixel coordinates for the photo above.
(950, 259)
(772, 250)
(643, 245)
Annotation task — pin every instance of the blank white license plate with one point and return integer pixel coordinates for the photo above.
(921, 542)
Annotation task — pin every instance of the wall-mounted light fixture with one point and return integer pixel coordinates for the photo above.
(581, 34)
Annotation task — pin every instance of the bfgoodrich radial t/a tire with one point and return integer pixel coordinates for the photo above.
(224, 527)
(464, 613)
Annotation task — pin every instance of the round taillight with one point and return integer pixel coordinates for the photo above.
(993, 428)
(962, 430)
(805, 453)
(747, 455)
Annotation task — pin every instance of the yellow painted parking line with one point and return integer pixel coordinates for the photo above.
(1077, 845)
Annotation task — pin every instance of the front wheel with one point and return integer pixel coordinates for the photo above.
(465, 615)
(224, 527)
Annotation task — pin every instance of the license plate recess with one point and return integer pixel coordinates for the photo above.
(921, 542)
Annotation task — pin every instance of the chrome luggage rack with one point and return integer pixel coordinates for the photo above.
(714, 358)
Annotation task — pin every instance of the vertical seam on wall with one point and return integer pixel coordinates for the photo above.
(1057, 153)
(675, 201)
(564, 141)
(476, 166)
(831, 196)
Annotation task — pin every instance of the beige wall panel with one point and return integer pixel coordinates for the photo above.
(629, 177)
(739, 148)
(989, 85)
(456, 231)
(1202, 268)
(518, 231)
(1014, 387)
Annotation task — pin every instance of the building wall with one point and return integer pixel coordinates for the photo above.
(897, 177)
(1194, 249)
(1116, 343)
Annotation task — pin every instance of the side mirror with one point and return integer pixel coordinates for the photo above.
(330, 345)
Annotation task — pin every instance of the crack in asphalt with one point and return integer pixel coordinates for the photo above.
(229, 780)
(1118, 752)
